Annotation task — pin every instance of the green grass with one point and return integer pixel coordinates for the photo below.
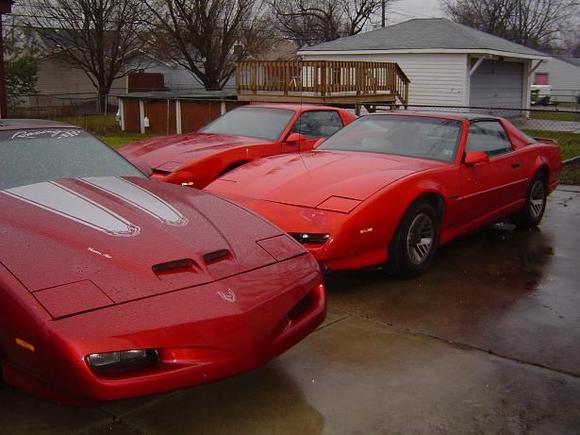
(570, 175)
(97, 124)
(105, 128)
(569, 142)
(554, 115)
(570, 146)
(120, 139)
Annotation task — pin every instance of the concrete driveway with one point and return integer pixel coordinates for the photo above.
(488, 341)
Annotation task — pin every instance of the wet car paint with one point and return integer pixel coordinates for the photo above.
(488, 341)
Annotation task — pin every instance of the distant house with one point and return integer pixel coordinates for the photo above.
(60, 85)
(562, 75)
(448, 64)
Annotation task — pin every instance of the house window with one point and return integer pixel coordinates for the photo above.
(541, 79)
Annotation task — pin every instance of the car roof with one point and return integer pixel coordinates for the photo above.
(20, 124)
(459, 116)
(291, 106)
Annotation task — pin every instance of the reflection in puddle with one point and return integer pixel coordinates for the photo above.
(500, 254)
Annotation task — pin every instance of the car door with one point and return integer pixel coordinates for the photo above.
(489, 187)
(314, 125)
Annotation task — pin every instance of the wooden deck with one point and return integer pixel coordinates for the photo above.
(327, 82)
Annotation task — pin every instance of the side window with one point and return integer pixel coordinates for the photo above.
(319, 123)
(488, 137)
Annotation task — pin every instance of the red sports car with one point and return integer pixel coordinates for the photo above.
(238, 137)
(116, 286)
(391, 187)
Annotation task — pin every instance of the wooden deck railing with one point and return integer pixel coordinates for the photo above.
(324, 81)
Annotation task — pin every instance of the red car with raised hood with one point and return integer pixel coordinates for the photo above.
(236, 138)
(389, 188)
(114, 286)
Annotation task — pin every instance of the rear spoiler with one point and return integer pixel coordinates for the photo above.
(548, 140)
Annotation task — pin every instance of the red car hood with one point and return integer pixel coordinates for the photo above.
(309, 179)
(113, 239)
(170, 153)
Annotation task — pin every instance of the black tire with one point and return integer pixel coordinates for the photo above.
(533, 211)
(409, 252)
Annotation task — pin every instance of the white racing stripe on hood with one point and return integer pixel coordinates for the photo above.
(69, 204)
(139, 198)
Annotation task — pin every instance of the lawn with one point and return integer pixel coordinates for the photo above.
(569, 142)
(105, 127)
(120, 139)
(555, 115)
(570, 175)
(97, 124)
(570, 146)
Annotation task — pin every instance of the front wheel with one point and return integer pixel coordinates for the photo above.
(533, 212)
(413, 247)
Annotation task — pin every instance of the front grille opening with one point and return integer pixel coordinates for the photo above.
(302, 307)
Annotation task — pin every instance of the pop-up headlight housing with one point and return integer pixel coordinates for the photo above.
(338, 204)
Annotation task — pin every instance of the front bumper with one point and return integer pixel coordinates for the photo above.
(349, 246)
(202, 334)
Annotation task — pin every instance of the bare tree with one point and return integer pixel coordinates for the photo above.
(100, 37)
(310, 22)
(207, 37)
(534, 23)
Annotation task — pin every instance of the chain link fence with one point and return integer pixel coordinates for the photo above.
(82, 109)
(560, 122)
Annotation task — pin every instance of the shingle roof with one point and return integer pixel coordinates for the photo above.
(424, 33)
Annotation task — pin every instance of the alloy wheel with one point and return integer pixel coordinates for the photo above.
(420, 239)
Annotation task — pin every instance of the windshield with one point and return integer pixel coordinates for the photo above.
(411, 136)
(30, 156)
(252, 122)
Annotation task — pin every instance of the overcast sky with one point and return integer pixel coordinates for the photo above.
(403, 10)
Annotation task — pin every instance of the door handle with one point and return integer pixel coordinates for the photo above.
(516, 165)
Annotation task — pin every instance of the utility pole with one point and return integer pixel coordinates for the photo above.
(5, 8)
(383, 13)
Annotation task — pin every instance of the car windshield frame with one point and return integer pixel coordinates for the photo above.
(291, 113)
(331, 143)
(31, 155)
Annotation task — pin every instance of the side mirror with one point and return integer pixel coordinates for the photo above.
(473, 158)
(319, 142)
(295, 138)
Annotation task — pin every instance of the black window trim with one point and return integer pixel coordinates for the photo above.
(491, 156)
(315, 110)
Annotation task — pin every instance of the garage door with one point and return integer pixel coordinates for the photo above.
(497, 84)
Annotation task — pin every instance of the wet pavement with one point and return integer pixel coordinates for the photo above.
(488, 341)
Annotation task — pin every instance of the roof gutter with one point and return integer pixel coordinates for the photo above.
(423, 51)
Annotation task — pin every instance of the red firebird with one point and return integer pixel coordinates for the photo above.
(115, 286)
(389, 188)
(238, 137)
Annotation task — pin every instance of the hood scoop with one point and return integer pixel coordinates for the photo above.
(217, 256)
(182, 265)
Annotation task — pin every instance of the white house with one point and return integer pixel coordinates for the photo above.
(448, 64)
(563, 75)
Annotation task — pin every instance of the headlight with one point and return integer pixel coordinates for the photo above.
(308, 238)
(122, 360)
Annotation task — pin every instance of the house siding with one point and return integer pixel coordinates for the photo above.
(563, 77)
(57, 78)
(436, 79)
